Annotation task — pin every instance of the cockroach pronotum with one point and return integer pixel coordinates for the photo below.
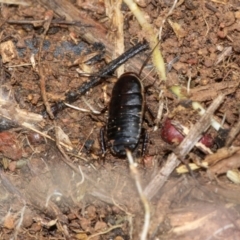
(126, 112)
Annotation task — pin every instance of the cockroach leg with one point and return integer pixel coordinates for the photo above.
(102, 140)
(145, 140)
(150, 112)
(104, 110)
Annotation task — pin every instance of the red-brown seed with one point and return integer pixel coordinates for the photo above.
(171, 135)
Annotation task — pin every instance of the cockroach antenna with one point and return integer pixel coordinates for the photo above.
(147, 59)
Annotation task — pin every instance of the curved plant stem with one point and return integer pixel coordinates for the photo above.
(150, 37)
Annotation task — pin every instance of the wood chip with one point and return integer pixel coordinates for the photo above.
(8, 51)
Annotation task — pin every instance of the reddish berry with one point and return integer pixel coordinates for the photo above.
(171, 135)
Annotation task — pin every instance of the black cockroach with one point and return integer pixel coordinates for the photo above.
(126, 112)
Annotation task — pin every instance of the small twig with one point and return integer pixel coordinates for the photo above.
(121, 208)
(160, 110)
(19, 65)
(143, 197)
(227, 51)
(82, 109)
(204, 17)
(53, 22)
(79, 151)
(104, 232)
(17, 2)
(82, 175)
(182, 150)
(17, 228)
(189, 82)
(48, 18)
(29, 126)
(80, 157)
(233, 133)
(90, 106)
(164, 20)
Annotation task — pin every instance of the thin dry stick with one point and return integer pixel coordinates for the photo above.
(143, 197)
(90, 133)
(20, 220)
(182, 150)
(48, 18)
(90, 107)
(81, 109)
(29, 126)
(233, 133)
(104, 232)
(164, 20)
(160, 111)
(16, 2)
